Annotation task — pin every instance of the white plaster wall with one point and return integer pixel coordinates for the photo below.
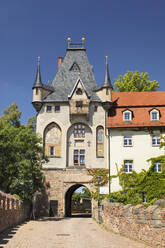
(140, 152)
(62, 119)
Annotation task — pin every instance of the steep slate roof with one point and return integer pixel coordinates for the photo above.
(66, 78)
(140, 103)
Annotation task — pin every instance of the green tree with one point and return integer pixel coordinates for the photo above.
(135, 81)
(21, 155)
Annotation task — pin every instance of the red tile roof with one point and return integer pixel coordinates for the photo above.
(140, 103)
(152, 98)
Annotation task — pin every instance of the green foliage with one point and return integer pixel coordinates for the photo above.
(21, 155)
(134, 185)
(77, 196)
(102, 173)
(117, 197)
(135, 81)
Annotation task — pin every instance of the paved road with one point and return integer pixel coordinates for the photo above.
(64, 233)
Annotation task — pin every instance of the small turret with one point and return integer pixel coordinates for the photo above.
(105, 90)
(38, 81)
(37, 89)
(107, 81)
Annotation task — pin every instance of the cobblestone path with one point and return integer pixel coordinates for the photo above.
(64, 233)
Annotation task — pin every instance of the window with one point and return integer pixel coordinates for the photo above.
(79, 91)
(157, 167)
(154, 115)
(48, 108)
(128, 166)
(100, 142)
(156, 140)
(52, 140)
(79, 131)
(95, 108)
(57, 108)
(127, 140)
(79, 104)
(75, 67)
(127, 115)
(51, 151)
(36, 91)
(79, 157)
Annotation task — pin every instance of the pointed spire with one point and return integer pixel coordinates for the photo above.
(38, 81)
(107, 81)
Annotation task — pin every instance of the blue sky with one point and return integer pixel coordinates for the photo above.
(130, 32)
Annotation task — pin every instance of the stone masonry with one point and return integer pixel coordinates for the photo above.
(62, 184)
(12, 211)
(137, 222)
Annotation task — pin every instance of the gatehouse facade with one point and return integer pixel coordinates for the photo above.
(88, 126)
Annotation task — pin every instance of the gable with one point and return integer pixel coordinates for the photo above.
(79, 91)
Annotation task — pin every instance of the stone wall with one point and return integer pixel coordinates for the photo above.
(137, 222)
(12, 211)
(62, 183)
(82, 206)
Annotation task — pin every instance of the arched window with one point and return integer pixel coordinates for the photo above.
(100, 142)
(52, 140)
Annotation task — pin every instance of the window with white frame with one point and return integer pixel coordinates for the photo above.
(157, 166)
(156, 140)
(127, 115)
(79, 157)
(154, 115)
(127, 140)
(128, 164)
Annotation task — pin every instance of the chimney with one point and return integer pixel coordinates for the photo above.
(59, 62)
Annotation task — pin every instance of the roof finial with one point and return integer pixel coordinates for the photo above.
(69, 41)
(83, 40)
(106, 57)
(38, 81)
(107, 81)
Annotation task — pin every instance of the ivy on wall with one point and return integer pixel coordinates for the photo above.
(137, 188)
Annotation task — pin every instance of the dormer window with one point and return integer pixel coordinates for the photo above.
(79, 91)
(154, 115)
(127, 115)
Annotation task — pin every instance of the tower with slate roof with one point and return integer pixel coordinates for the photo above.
(71, 120)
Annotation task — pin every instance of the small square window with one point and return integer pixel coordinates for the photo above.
(128, 166)
(154, 115)
(79, 104)
(127, 116)
(157, 167)
(127, 140)
(156, 140)
(57, 108)
(48, 108)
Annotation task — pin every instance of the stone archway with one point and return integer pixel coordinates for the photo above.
(68, 198)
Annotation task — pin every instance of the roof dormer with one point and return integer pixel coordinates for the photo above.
(154, 114)
(127, 115)
(79, 99)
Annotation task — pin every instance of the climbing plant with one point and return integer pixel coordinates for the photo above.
(137, 188)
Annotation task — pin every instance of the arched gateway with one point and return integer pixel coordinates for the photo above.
(69, 201)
